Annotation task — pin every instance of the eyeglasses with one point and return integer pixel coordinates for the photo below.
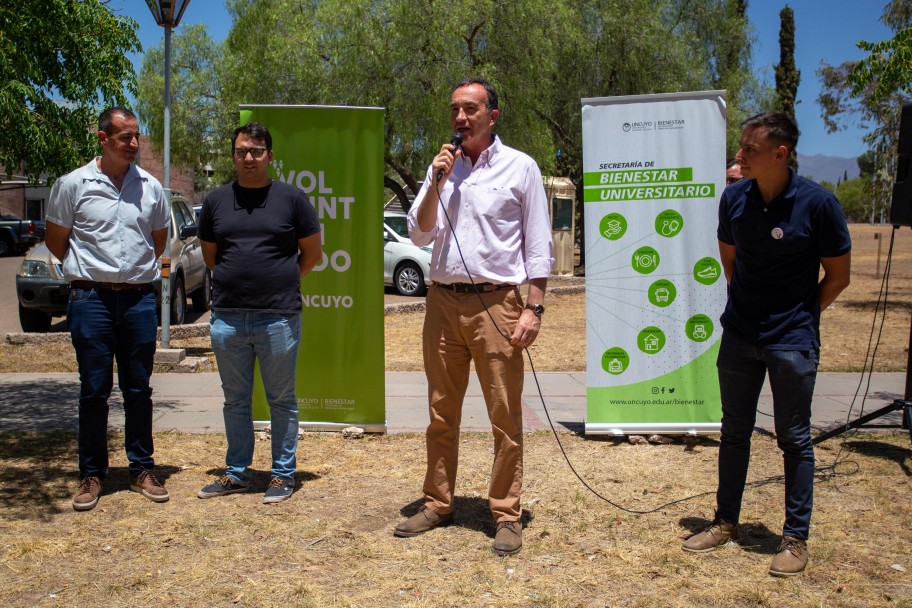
(241, 153)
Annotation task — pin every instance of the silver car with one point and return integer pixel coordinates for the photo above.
(43, 293)
(405, 265)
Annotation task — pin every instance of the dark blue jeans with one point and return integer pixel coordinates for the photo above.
(106, 325)
(742, 368)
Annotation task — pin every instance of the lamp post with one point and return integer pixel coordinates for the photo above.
(167, 13)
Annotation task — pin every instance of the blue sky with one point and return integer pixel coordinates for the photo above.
(826, 30)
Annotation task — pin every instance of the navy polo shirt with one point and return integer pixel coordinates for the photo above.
(773, 297)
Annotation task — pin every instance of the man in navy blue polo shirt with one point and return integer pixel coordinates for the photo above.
(776, 230)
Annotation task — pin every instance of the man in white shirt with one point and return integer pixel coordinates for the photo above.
(493, 235)
(107, 221)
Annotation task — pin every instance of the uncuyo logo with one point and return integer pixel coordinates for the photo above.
(626, 127)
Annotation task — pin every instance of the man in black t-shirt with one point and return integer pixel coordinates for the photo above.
(259, 237)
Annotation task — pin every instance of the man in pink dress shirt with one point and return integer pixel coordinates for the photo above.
(495, 234)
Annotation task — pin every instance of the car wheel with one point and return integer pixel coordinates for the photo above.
(409, 281)
(202, 296)
(6, 248)
(34, 321)
(178, 300)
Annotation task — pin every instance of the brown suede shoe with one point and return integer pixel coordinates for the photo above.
(717, 534)
(87, 495)
(421, 522)
(508, 538)
(791, 557)
(146, 484)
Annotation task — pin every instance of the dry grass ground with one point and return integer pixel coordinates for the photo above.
(331, 544)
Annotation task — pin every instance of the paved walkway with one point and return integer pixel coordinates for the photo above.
(192, 402)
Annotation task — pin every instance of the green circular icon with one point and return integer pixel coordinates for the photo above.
(699, 328)
(645, 260)
(669, 223)
(707, 271)
(651, 340)
(615, 360)
(613, 226)
(662, 293)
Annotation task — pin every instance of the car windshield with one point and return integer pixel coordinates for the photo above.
(398, 223)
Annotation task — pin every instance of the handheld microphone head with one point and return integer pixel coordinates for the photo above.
(456, 142)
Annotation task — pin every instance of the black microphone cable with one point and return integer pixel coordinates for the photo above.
(826, 472)
(538, 387)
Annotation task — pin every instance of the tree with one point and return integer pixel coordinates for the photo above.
(197, 112)
(871, 92)
(787, 75)
(61, 62)
(405, 56)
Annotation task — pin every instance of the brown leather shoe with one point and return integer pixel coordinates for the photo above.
(717, 534)
(87, 495)
(421, 522)
(791, 557)
(146, 484)
(508, 538)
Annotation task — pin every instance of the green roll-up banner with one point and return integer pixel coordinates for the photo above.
(335, 155)
(653, 170)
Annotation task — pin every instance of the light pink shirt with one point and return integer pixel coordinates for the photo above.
(499, 213)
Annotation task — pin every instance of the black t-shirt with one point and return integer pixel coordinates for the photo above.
(256, 231)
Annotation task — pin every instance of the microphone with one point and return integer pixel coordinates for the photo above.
(456, 142)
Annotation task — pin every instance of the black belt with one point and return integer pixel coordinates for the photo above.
(96, 285)
(471, 288)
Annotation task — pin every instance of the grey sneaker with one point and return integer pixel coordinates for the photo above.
(221, 486)
(716, 535)
(87, 495)
(278, 490)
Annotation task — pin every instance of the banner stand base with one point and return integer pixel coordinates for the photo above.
(654, 428)
(330, 427)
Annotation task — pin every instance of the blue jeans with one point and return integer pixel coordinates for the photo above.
(238, 340)
(742, 367)
(106, 325)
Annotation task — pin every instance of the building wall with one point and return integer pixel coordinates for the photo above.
(181, 177)
(12, 199)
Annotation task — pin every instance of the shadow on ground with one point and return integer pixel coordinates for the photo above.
(48, 404)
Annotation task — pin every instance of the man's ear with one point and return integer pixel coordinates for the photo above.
(782, 152)
(102, 137)
(495, 114)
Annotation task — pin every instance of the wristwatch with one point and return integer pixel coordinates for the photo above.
(538, 309)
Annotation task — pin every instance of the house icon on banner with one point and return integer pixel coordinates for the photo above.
(650, 343)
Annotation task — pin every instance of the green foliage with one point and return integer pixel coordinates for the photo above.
(787, 75)
(543, 56)
(61, 62)
(855, 197)
(198, 115)
(871, 92)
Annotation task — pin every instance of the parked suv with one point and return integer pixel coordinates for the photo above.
(43, 292)
(405, 265)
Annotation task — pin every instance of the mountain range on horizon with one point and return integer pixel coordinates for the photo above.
(820, 167)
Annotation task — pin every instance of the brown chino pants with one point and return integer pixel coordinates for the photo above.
(457, 331)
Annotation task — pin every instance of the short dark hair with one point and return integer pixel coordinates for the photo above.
(779, 127)
(106, 118)
(253, 130)
(731, 163)
(491, 104)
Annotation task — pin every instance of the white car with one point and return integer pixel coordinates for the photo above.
(405, 265)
